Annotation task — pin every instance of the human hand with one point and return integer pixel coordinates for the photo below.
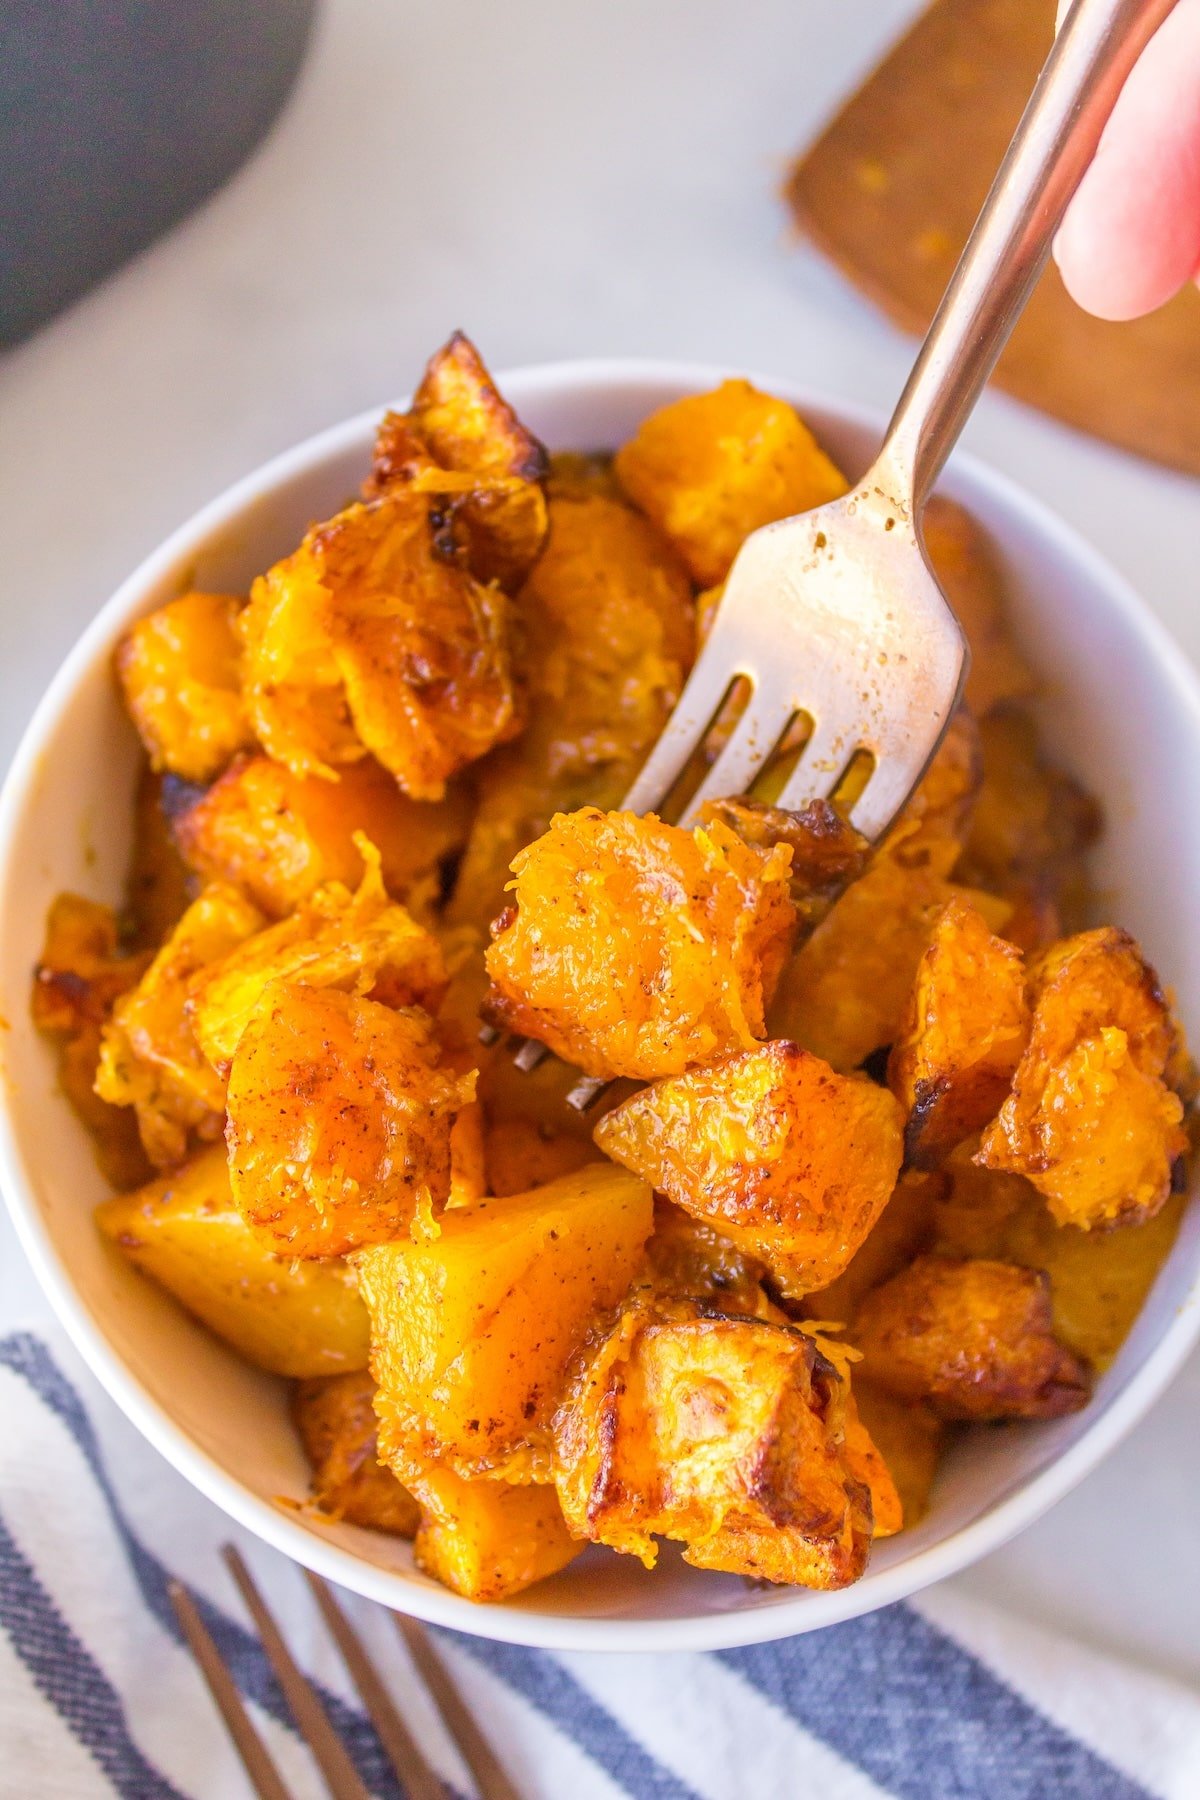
(1131, 236)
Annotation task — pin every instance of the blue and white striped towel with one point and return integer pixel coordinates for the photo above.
(938, 1700)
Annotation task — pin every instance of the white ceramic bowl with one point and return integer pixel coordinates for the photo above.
(1122, 710)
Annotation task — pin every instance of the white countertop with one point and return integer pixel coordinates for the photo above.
(581, 179)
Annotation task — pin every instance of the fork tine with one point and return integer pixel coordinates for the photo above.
(413, 1772)
(331, 1756)
(822, 763)
(256, 1760)
(490, 1779)
(755, 736)
(711, 679)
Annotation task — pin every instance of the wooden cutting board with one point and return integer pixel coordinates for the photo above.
(891, 189)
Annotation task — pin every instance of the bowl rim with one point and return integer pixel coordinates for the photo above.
(1009, 1513)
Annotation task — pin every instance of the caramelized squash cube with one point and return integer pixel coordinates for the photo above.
(180, 672)
(339, 1120)
(1091, 1120)
(711, 468)
(149, 1057)
(335, 1417)
(472, 1329)
(279, 836)
(486, 1540)
(726, 1433)
(973, 1337)
(636, 948)
(791, 1161)
(967, 1027)
(360, 943)
(185, 1233)
(291, 682)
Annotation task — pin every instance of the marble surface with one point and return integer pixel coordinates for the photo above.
(576, 180)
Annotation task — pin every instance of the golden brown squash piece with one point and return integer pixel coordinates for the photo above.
(486, 1540)
(687, 1259)
(791, 1161)
(339, 1120)
(726, 1433)
(973, 1337)
(909, 1437)
(335, 1417)
(157, 884)
(636, 948)
(472, 1329)
(460, 425)
(1091, 1120)
(711, 468)
(280, 836)
(79, 977)
(367, 638)
(965, 564)
(606, 631)
(185, 1233)
(1032, 823)
(360, 943)
(845, 993)
(967, 1028)
(180, 672)
(827, 853)
(149, 1057)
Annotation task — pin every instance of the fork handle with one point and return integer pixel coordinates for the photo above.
(1055, 141)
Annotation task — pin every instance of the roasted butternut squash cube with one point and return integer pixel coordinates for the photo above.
(359, 943)
(472, 1329)
(335, 1417)
(149, 1056)
(910, 1437)
(973, 1337)
(1091, 1120)
(726, 1433)
(459, 424)
(339, 1119)
(791, 1161)
(180, 673)
(487, 1540)
(279, 836)
(184, 1232)
(606, 630)
(965, 564)
(966, 1030)
(79, 976)
(688, 1259)
(711, 468)
(636, 948)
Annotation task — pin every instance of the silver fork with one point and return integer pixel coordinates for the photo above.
(417, 1779)
(835, 616)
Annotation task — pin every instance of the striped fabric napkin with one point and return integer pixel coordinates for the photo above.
(935, 1700)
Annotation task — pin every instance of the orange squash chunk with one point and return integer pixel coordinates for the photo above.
(606, 628)
(79, 977)
(967, 1027)
(180, 672)
(339, 1120)
(791, 1161)
(149, 1057)
(728, 1434)
(280, 836)
(636, 948)
(472, 1330)
(359, 943)
(368, 638)
(711, 468)
(486, 1540)
(335, 1417)
(688, 1259)
(1091, 1120)
(462, 441)
(965, 564)
(973, 1337)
